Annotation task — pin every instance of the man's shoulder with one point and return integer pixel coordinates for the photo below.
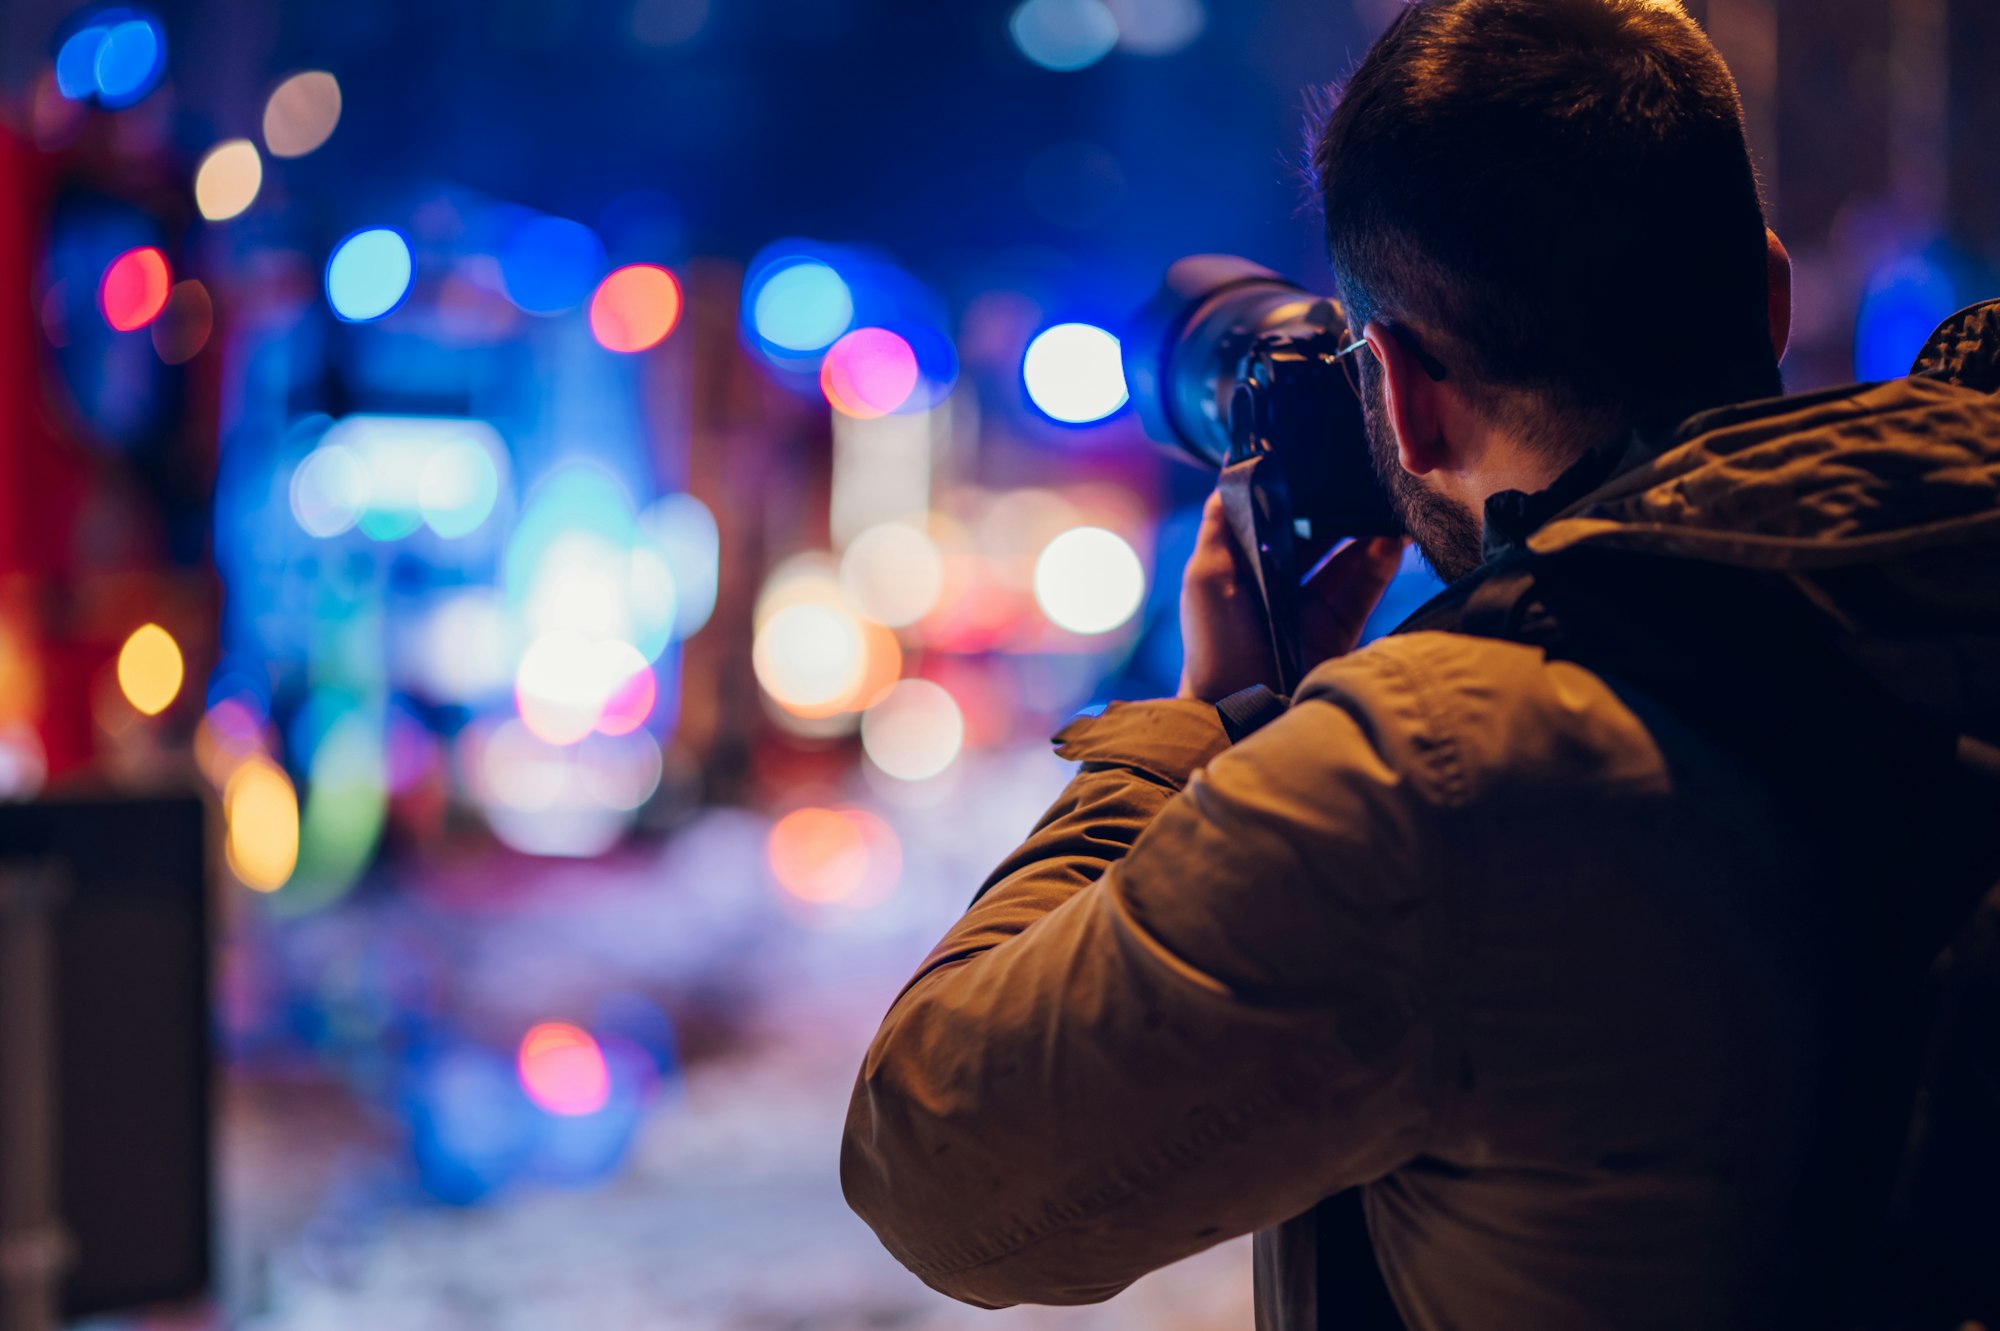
(1469, 719)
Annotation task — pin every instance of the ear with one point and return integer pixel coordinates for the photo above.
(1410, 397)
(1780, 268)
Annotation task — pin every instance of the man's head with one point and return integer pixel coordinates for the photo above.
(1551, 204)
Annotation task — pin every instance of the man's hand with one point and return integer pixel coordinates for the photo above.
(1222, 618)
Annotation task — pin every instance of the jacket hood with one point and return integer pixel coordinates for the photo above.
(1881, 502)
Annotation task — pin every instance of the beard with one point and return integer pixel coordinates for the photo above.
(1447, 534)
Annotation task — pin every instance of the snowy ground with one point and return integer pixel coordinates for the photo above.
(725, 1213)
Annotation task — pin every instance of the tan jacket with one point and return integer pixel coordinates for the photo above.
(1468, 926)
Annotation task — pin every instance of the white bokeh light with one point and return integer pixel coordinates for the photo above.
(228, 179)
(329, 490)
(1089, 580)
(1074, 374)
(1064, 35)
(893, 573)
(565, 679)
(915, 732)
(811, 658)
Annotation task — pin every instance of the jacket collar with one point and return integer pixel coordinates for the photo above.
(1512, 516)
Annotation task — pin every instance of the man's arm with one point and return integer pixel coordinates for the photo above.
(1174, 1017)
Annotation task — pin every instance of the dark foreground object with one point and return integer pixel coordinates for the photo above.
(104, 919)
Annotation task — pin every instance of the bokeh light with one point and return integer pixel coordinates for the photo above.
(461, 652)
(329, 490)
(1905, 300)
(24, 762)
(566, 680)
(550, 264)
(134, 289)
(301, 113)
(630, 703)
(845, 857)
(893, 573)
(801, 306)
(914, 732)
(458, 487)
(227, 181)
(150, 669)
(635, 308)
(620, 772)
(810, 658)
(76, 62)
(262, 812)
(346, 800)
(1089, 580)
(183, 327)
(869, 372)
(683, 531)
(391, 475)
(369, 274)
(1158, 27)
(116, 57)
(130, 61)
(1074, 374)
(562, 800)
(1064, 35)
(563, 1070)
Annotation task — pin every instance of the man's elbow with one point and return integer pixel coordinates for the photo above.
(941, 1229)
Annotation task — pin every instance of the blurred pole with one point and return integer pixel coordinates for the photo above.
(32, 1243)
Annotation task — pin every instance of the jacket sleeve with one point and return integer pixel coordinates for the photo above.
(1188, 1007)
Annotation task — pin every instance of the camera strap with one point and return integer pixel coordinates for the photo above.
(1259, 512)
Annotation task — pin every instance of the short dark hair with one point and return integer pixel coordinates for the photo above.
(1560, 192)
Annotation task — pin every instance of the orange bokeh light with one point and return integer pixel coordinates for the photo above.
(563, 1070)
(135, 288)
(847, 857)
(635, 308)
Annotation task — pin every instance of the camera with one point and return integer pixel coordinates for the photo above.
(1238, 369)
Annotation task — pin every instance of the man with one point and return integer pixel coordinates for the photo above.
(1581, 924)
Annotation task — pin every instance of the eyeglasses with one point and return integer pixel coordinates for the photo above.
(1430, 364)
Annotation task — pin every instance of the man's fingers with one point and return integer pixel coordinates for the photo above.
(1341, 596)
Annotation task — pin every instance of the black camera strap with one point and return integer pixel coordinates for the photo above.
(1255, 502)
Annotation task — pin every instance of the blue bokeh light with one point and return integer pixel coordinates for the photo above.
(117, 57)
(1064, 35)
(369, 274)
(551, 264)
(1073, 373)
(129, 61)
(76, 62)
(802, 306)
(1906, 298)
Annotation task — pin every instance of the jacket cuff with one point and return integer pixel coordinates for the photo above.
(1167, 739)
(1248, 711)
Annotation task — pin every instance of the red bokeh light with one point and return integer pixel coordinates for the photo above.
(869, 373)
(563, 1070)
(135, 288)
(635, 308)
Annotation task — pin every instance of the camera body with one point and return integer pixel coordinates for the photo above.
(1229, 361)
(1238, 370)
